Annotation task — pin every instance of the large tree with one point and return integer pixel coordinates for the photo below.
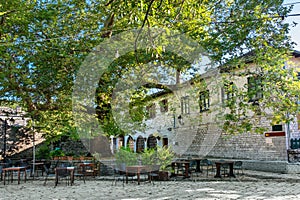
(43, 44)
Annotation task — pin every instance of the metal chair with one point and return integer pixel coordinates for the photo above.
(49, 169)
(238, 166)
(62, 172)
(79, 173)
(154, 173)
(225, 169)
(1, 172)
(208, 164)
(49, 173)
(192, 168)
(119, 173)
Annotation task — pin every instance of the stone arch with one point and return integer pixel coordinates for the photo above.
(130, 143)
(151, 142)
(140, 144)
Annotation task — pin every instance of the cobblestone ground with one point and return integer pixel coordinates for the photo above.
(266, 189)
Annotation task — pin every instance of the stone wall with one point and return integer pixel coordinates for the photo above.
(73, 147)
(208, 141)
(69, 146)
(250, 146)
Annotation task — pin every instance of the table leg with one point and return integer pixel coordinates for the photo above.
(56, 179)
(72, 178)
(126, 177)
(198, 166)
(11, 176)
(138, 177)
(25, 173)
(231, 174)
(218, 173)
(173, 174)
(19, 176)
(186, 166)
(4, 174)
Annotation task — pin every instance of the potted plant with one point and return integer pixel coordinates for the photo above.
(125, 155)
(149, 157)
(57, 152)
(165, 157)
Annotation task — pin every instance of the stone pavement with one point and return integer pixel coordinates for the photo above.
(291, 177)
(247, 175)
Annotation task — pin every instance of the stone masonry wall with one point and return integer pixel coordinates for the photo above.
(250, 146)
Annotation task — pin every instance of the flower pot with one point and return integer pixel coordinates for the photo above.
(163, 175)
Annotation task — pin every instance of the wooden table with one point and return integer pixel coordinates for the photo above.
(13, 169)
(70, 171)
(218, 167)
(186, 168)
(136, 169)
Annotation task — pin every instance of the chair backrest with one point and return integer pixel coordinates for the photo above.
(209, 162)
(50, 167)
(8, 163)
(122, 167)
(23, 163)
(238, 163)
(46, 169)
(204, 162)
(193, 163)
(62, 171)
(155, 168)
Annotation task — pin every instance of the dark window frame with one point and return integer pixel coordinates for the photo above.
(228, 92)
(185, 105)
(151, 111)
(164, 106)
(255, 88)
(277, 127)
(204, 101)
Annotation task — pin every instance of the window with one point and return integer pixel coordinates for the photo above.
(277, 127)
(204, 100)
(185, 105)
(151, 111)
(228, 92)
(164, 105)
(255, 88)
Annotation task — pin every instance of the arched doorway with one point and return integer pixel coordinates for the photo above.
(151, 142)
(130, 143)
(140, 144)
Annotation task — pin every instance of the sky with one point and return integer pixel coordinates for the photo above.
(294, 31)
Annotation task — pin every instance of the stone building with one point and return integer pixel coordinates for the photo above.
(190, 120)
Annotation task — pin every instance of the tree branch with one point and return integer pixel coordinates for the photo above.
(111, 1)
(144, 21)
(179, 10)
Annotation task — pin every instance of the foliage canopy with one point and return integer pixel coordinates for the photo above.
(43, 44)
